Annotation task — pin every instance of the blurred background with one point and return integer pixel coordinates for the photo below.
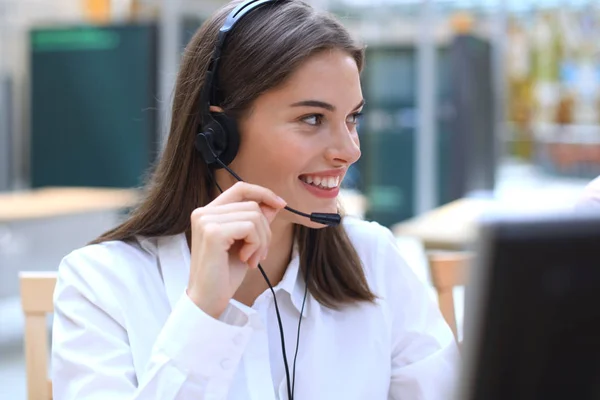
(470, 104)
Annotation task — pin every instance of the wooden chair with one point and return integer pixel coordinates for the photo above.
(37, 289)
(448, 270)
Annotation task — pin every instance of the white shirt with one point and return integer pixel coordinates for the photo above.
(124, 329)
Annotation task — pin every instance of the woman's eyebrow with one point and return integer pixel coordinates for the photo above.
(362, 103)
(322, 104)
(314, 103)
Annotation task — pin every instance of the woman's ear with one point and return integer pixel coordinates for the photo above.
(215, 109)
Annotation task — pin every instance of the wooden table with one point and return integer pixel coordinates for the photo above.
(39, 227)
(449, 227)
(53, 202)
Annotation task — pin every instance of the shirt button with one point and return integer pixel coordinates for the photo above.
(226, 364)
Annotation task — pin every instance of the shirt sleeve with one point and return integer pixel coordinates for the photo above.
(590, 197)
(194, 356)
(425, 358)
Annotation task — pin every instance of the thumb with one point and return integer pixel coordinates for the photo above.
(269, 212)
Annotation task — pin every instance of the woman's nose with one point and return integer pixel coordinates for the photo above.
(345, 146)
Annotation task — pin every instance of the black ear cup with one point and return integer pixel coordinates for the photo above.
(219, 138)
(231, 136)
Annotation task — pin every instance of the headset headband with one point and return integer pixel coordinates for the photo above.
(208, 94)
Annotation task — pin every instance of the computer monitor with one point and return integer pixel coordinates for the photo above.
(532, 310)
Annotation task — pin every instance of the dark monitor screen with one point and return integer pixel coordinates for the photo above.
(533, 310)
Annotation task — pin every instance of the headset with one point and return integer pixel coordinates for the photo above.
(218, 142)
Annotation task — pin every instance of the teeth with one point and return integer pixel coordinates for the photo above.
(328, 182)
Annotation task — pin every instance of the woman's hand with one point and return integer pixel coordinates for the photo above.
(229, 235)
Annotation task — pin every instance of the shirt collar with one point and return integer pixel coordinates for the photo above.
(173, 259)
(294, 284)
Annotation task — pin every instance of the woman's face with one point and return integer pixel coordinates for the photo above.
(299, 139)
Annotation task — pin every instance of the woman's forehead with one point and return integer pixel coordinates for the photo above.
(328, 77)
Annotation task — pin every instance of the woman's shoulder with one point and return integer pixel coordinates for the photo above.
(389, 276)
(112, 263)
(367, 235)
(355, 225)
(377, 248)
(111, 254)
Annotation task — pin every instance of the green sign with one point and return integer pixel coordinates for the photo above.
(74, 39)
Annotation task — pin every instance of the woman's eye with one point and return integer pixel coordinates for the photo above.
(354, 118)
(315, 119)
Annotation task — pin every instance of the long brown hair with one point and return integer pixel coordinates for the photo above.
(262, 51)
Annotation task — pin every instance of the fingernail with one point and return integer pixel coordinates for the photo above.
(282, 201)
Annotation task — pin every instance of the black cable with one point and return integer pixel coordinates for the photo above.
(285, 362)
(290, 385)
(299, 324)
(236, 176)
(221, 190)
(214, 180)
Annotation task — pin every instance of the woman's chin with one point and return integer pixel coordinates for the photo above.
(313, 225)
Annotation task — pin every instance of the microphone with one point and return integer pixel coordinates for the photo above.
(329, 219)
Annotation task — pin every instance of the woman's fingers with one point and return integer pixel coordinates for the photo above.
(261, 225)
(242, 192)
(227, 233)
(234, 225)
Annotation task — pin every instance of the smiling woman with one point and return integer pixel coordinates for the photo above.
(193, 296)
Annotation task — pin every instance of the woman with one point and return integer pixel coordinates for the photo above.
(173, 304)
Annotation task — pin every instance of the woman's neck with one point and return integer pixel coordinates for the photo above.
(275, 265)
(280, 250)
(278, 257)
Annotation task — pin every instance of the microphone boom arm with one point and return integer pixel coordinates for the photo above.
(328, 219)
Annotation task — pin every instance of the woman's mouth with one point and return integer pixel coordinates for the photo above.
(322, 186)
(325, 182)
